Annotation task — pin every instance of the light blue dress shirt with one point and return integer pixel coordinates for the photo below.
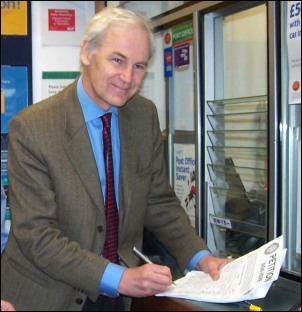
(92, 112)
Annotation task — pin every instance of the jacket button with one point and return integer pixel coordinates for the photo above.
(100, 228)
(79, 301)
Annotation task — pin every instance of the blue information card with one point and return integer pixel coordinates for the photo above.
(14, 93)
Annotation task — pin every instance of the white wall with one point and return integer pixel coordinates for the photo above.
(56, 51)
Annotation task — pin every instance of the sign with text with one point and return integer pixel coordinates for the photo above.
(182, 55)
(54, 82)
(294, 51)
(182, 34)
(14, 18)
(184, 177)
(61, 20)
(168, 61)
(14, 93)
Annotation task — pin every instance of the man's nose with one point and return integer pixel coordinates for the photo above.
(126, 74)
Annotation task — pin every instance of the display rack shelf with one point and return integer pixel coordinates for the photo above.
(238, 172)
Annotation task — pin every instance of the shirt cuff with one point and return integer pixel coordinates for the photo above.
(194, 261)
(111, 279)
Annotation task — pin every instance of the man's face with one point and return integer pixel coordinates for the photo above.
(116, 71)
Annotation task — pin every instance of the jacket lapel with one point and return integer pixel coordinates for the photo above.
(79, 149)
(127, 157)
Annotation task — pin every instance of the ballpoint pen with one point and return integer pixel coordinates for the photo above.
(143, 257)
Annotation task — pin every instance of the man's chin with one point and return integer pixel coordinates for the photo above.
(121, 101)
(118, 103)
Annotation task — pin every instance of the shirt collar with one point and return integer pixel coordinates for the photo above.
(90, 109)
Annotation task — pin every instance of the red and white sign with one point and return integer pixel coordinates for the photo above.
(61, 20)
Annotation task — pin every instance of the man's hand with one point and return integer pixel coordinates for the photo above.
(146, 280)
(6, 306)
(212, 265)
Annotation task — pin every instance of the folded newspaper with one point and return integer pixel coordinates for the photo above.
(246, 278)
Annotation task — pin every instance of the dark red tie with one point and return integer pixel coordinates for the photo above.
(111, 243)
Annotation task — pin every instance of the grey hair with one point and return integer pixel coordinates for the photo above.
(98, 26)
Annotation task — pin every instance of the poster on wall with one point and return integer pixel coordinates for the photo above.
(294, 51)
(168, 54)
(4, 149)
(184, 177)
(182, 55)
(181, 37)
(4, 177)
(14, 98)
(168, 62)
(63, 22)
(55, 81)
(182, 33)
(14, 93)
(14, 18)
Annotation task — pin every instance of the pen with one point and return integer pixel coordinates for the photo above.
(143, 257)
(252, 307)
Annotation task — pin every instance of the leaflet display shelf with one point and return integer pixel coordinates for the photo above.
(239, 105)
(239, 121)
(232, 177)
(237, 131)
(238, 138)
(230, 242)
(243, 156)
(239, 205)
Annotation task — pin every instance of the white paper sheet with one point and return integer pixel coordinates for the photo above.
(246, 278)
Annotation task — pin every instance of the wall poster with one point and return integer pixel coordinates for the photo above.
(294, 51)
(63, 22)
(14, 93)
(184, 177)
(55, 81)
(14, 18)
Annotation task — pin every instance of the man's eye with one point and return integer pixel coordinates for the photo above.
(117, 60)
(140, 67)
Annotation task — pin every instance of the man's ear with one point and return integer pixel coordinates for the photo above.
(84, 53)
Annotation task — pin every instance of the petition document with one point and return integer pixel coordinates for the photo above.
(246, 278)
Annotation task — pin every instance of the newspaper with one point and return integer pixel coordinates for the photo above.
(246, 278)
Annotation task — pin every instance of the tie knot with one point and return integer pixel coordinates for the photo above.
(106, 118)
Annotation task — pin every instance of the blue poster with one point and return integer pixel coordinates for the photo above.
(14, 93)
(168, 61)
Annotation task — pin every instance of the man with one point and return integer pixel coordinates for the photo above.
(55, 258)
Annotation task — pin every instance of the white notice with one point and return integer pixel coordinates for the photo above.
(246, 278)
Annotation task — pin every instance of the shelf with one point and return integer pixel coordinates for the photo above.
(238, 172)
(239, 205)
(242, 156)
(236, 177)
(238, 138)
(230, 242)
(239, 105)
(239, 121)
